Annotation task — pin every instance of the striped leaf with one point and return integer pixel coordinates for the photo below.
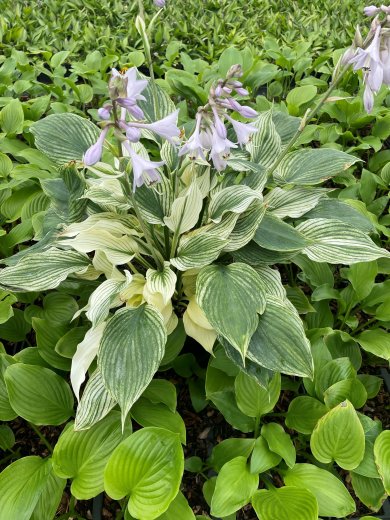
(276, 235)
(265, 145)
(38, 394)
(240, 286)
(336, 242)
(64, 137)
(279, 342)
(234, 199)
(294, 202)
(83, 455)
(162, 282)
(256, 177)
(198, 251)
(104, 298)
(289, 503)
(382, 458)
(148, 466)
(246, 226)
(134, 356)
(96, 402)
(272, 281)
(312, 166)
(339, 436)
(157, 104)
(331, 494)
(154, 204)
(42, 271)
(185, 210)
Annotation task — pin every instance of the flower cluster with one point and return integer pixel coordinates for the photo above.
(125, 93)
(210, 134)
(374, 60)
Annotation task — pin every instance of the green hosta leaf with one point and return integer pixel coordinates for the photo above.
(279, 442)
(185, 211)
(252, 399)
(276, 235)
(367, 467)
(162, 282)
(161, 391)
(7, 437)
(146, 414)
(47, 338)
(382, 458)
(263, 458)
(336, 242)
(5, 165)
(83, 455)
(303, 413)
(372, 384)
(239, 285)
(12, 117)
(332, 372)
(312, 166)
(230, 449)
(300, 96)
(294, 202)
(136, 356)
(234, 199)
(289, 503)
(178, 508)
(376, 341)
(279, 342)
(369, 490)
(148, 465)
(64, 137)
(228, 497)
(38, 394)
(197, 251)
(351, 389)
(96, 403)
(265, 145)
(339, 436)
(26, 482)
(332, 496)
(7, 413)
(42, 271)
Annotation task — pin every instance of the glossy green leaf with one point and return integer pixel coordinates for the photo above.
(279, 442)
(376, 341)
(369, 490)
(331, 494)
(351, 389)
(277, 235)
(289, 503)
(229, 449)
(228, 497)
(382, 458)
(339, 436)
(303, 413)
(263, 458)
(148, 466)
(254, 400)
(12, 117)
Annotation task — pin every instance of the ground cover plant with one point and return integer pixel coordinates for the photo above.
(178, 229)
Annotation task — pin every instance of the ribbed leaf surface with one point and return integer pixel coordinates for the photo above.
(265, 145)
(198, 251)
(293, 203)
(287, 503)
(234, 199)
(382, 458)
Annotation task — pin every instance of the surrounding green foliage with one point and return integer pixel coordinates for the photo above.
(277, 266)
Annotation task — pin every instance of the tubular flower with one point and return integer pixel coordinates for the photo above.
(94, 152)
(144, 170)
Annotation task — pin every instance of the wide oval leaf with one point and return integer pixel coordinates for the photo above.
(289, 503)
(254, 400)
(131, 349)
(148, 465)
(303, 413)
(339, 436)
(38, 394)
(382, 458)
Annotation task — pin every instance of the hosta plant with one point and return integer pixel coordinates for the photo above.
(157, 233)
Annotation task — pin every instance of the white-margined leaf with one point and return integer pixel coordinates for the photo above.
(162, 282)
(336, 242)
(95, 403)
(294, 202)
(246, 226)
(234, 199)
(64, 137)
(185, 210)
(42, 271)
(197, 251)
(312, 166)
(131, 349)
(265, 145)
(231, 297)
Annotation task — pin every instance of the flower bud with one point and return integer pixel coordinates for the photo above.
(234, 71)
(371, 10)
(133, 134)
(105, 112)
(159, 3)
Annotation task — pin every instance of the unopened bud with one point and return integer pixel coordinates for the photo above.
(105, 112)
(159, 3)
(235, 71)
(371, 10)
(358, 39)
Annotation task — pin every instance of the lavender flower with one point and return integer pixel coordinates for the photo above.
(144, 170)
(105, 112)
(159, 3)
(94, 152)
(194, 145)
(371, 10)
(242, 130)
(166, 127)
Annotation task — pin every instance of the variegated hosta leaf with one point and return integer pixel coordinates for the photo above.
(289, 503)
(256, 177)
(336, 242)
(231, 297)
(293, 203)
(265, 145)
(155, 203)
(162, 282)
(157, 104)
(107, 221)
(276, 235)
(131, 349)
(272, 281)
(286, 125)
(83, 455)
(198, 250)
(185, 210)
(312, 166)
(85, 354)
(95, 403)
(169, 154)
(234, 199)
(42, 271)
(148, 466)
(108, 195)
(64, 137)
(246, 227)
(279, 342)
